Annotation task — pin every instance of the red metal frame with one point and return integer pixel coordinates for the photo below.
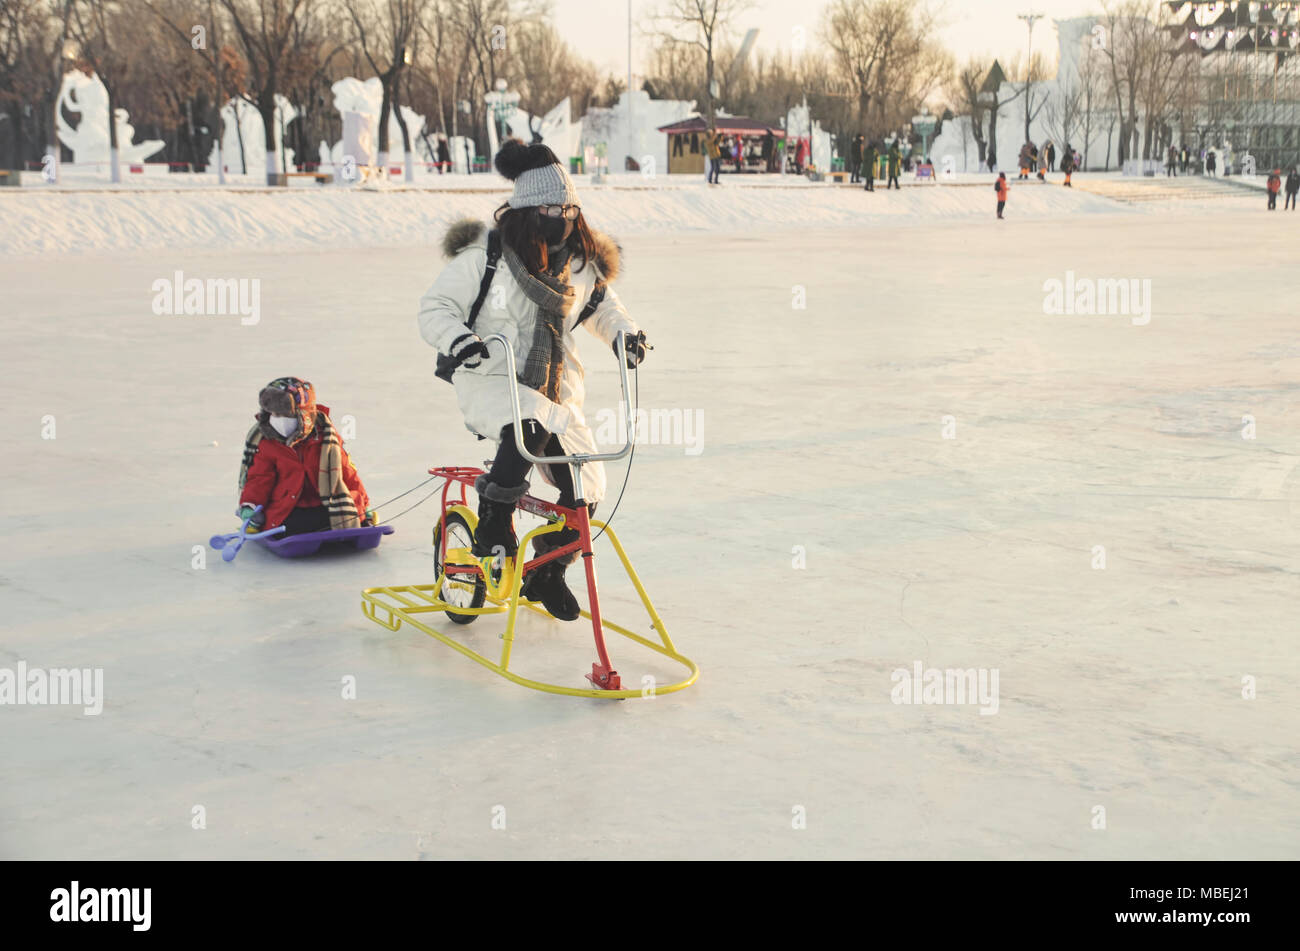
(603, 675)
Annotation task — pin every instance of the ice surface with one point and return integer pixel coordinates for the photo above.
(823, 428)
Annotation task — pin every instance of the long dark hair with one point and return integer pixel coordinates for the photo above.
(521, 231)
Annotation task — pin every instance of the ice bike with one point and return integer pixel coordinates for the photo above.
(468, 587)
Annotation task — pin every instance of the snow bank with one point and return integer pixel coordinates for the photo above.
(43, 222)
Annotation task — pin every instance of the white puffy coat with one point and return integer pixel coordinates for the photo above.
(482, 391)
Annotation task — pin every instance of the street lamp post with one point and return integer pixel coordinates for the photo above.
(923, 125)
(1030, 19)
(502, 103)
(632, 144)
(408, 147)
(216, 67)
(468, 109)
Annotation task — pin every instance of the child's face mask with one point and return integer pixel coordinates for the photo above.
(286, 426)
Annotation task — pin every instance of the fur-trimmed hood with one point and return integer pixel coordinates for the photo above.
(470, 231)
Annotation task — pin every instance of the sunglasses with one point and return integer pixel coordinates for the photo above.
(567, 212)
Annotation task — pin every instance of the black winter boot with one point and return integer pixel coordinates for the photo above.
(546, 584)
(496, 510)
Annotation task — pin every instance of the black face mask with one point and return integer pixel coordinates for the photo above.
(553, 230)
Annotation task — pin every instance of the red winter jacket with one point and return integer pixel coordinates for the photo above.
(283, 478)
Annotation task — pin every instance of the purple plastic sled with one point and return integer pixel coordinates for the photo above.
(296, 546)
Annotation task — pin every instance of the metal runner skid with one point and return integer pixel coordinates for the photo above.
(492, 585)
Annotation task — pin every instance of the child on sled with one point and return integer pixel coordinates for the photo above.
(295, 466)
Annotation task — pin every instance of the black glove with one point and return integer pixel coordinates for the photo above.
(468, 350)
(635, 347)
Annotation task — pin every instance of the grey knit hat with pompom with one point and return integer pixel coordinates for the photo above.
(539, 177)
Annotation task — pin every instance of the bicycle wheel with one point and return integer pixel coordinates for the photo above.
(462, 590)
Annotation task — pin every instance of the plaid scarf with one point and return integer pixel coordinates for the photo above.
(333, 492)
(553, 296)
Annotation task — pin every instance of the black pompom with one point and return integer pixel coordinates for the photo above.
(512, 160)
(515, 158)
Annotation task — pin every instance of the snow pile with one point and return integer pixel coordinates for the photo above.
(42, 222)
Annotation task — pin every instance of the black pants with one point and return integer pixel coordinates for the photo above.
(715, 166)
(509, 468)
(857, 167)
(1290, 201)
(307, 519)
(1001, 205)
(893, 182)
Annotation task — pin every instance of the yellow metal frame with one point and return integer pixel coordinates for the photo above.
(391, 606)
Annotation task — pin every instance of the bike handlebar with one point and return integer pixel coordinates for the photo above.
(580, 458)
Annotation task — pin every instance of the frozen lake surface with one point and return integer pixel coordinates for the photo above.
(823, 433)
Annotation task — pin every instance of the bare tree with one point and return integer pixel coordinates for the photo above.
(101, 29)
(385, 29)
(31, 60)
(964, 93)
(1063, 111)
(702, 24)
(1134, 48)
(1034, 89)
(885, 52)
(1092, 92)
(547, 68)
(676, 70)
(168, 86)
(268, 35)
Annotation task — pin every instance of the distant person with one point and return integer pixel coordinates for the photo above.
(871, 158)
(713, 148)
(1049, 153)
(895, 165)
(1067, 164)
(1002, 186)
(1274, 186)
(855, 158)
(1171, 162)
(1292, 186)
(1185, 158)
(769, 149)
(444, 155)
(1024, 163)
(1211, 164)
(738, 153)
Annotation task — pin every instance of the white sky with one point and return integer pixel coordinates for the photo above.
(598, 28)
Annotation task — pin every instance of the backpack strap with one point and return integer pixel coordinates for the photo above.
(493, 256)
(446, 366)
(597, 295)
